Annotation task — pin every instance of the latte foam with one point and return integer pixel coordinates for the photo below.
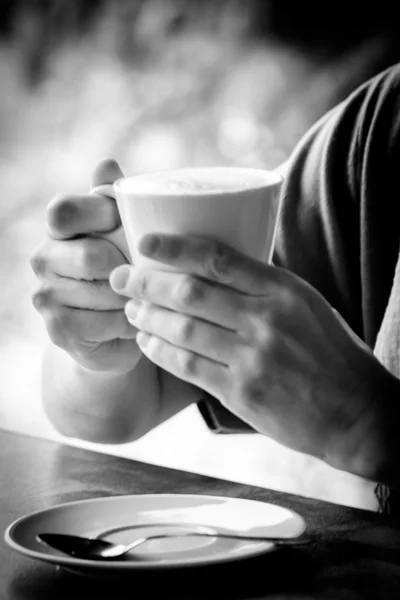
(198, 180)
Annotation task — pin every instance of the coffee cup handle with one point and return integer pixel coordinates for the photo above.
(117, 236)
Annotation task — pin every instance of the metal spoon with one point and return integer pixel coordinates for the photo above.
(98, 549)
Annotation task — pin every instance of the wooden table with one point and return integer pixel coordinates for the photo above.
(354, 553)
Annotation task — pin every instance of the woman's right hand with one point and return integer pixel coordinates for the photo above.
(83, 315)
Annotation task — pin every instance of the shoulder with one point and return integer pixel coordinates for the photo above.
(381, 92)
(385, 83)
(365, 124)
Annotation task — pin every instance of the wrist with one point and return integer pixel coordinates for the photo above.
(86, 404)
(370, 446)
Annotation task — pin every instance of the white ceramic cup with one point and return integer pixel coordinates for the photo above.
(234, 205)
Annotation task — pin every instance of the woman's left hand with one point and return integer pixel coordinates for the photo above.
(257, 337)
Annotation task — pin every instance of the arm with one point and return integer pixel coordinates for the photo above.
(270, 348)
(340, 207)
(265, 342)
(339, 226)
(96, 384)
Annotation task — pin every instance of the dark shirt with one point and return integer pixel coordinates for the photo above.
(340, 222)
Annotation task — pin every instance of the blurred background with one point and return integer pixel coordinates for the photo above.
(159, 84)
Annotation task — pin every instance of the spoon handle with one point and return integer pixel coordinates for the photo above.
(279, 541)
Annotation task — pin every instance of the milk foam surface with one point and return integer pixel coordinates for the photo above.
(198, 180)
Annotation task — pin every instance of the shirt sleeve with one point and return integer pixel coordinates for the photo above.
(340, 218)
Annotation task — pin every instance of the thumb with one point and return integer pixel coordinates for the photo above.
(106, 172)
(103, 176)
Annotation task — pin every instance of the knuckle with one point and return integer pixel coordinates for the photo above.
(287, 300)
(38, 263)
(144, 313)
(218, 261)
(43, 298)
(253, 392)
(256, 363)
(268, 314)
(270, 345)
(141, 285)
(187, 362)
(271, 316)
(251, 378)
(155, 348)
(58, 328)
(185, 330)
(261, 323)
(190, 291)
(61, 211)
(93, 258)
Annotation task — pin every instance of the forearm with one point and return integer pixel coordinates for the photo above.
(99, 407)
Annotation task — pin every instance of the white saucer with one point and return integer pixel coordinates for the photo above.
(123, 518)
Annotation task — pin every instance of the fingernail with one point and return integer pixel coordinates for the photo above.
(131, 309)
(119, 278)
(149, 245)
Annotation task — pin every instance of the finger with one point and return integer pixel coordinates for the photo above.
(82, 214)
(212, 260)
(184, 364)
(116, 355)
(182, 293)
(107, 171)
(102, 326)
(83, 258)
(206, 339)
(93, 295)
(80, 331)
(69, 216)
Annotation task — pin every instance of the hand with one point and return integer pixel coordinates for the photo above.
(83, 315)
(258, 338)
